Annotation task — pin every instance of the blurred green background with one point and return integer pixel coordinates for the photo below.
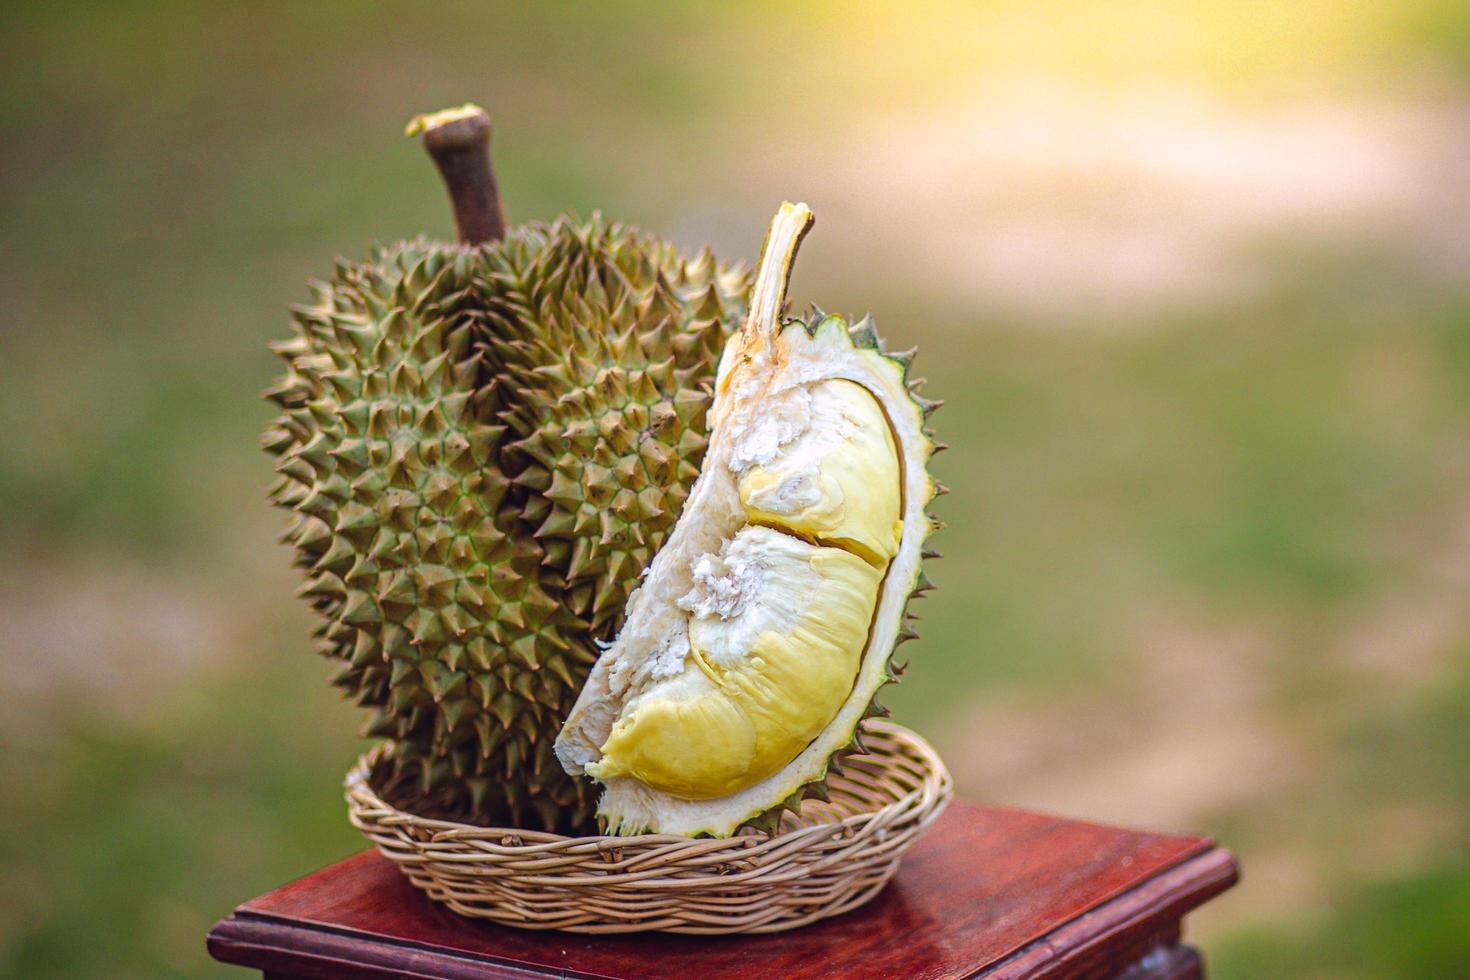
(1192, 280)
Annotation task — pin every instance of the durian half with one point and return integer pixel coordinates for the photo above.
(765, 624)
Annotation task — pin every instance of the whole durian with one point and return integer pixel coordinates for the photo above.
(483, 444)
(766, 624)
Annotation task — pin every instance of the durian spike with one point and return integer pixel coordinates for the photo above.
(768, 295)
(459, 141)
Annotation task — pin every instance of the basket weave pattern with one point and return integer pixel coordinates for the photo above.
(831, 857)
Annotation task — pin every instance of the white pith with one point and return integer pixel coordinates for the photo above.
(764, 406)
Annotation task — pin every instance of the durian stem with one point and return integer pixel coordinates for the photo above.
(773, 275)
(459, 142)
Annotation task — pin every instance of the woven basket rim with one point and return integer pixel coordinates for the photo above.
(815, 865)
(358, 783)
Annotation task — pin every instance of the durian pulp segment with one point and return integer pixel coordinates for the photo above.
(838, 482)
(779, 619)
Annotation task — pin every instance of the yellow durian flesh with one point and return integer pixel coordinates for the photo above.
(776, 635)
(838, 483)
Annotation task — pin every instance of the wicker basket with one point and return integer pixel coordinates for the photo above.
(830, 858)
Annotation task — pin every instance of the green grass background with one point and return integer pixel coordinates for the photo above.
(1287, 465)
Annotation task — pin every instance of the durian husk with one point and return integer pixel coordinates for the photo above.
(819, 347)
(452, 418)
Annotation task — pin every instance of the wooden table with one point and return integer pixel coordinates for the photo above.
(989, 892)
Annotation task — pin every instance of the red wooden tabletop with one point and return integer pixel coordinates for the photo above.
(988, 892)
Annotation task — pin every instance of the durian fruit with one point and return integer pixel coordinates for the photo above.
(765, 626)
(432, 397)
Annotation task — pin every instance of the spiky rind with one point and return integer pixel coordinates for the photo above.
(608, 342)
(425, 391)
(437, 605)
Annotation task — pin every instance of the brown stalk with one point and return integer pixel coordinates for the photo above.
(458, 140)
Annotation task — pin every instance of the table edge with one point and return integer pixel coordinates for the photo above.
(1165, 898)
(256, 942)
